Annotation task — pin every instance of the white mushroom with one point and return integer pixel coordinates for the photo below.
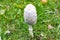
(30, 17)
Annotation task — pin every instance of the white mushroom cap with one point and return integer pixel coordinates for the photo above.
(30, 15)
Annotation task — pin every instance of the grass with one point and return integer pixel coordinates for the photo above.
(11, 18)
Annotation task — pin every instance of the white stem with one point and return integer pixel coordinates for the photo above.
(31, 30)
(0, 38)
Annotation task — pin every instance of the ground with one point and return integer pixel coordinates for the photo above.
(11, 19)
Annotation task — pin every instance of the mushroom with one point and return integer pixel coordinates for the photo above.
(30, 17)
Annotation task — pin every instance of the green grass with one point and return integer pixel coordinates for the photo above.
(11, 18)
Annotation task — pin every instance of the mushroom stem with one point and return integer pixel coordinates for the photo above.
(0, 38)
(31, 30)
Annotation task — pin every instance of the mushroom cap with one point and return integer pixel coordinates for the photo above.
(30, 15)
